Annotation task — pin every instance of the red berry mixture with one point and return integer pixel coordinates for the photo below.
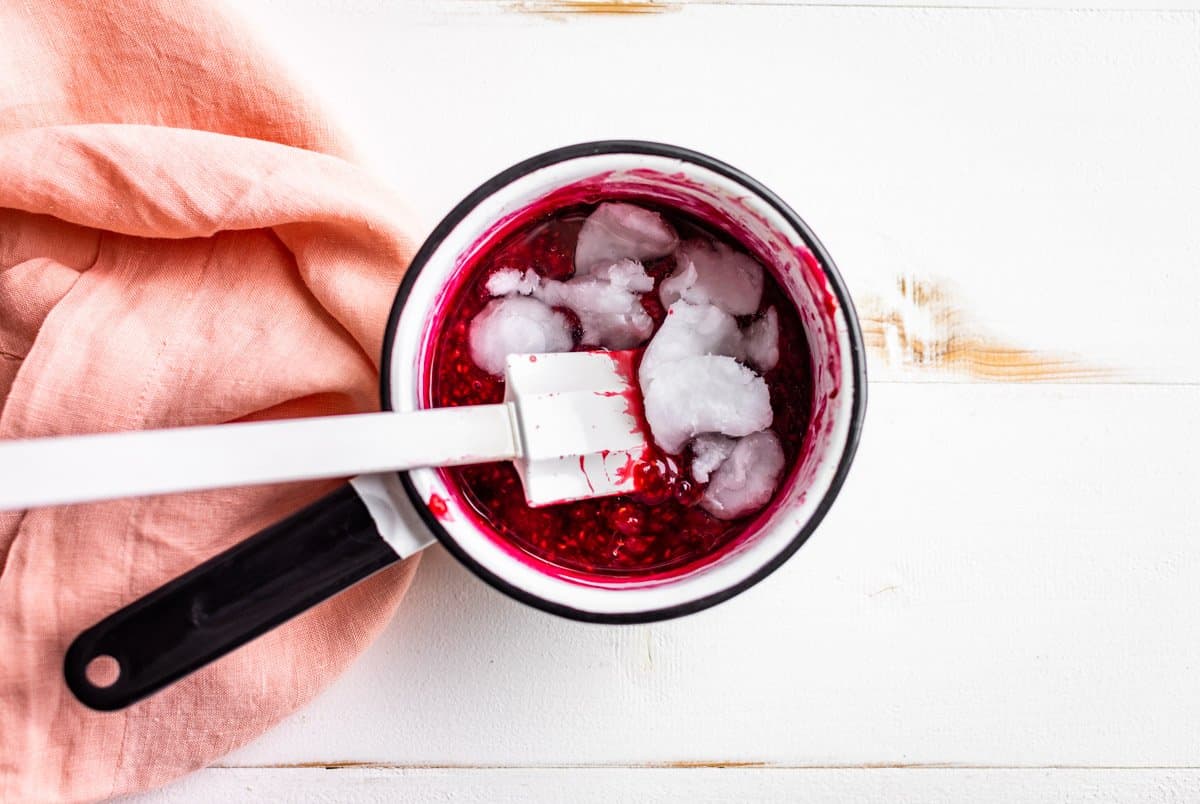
(661, 527)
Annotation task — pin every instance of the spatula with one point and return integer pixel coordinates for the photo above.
(568, 422)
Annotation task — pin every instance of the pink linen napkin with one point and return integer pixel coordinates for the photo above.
(181, 242)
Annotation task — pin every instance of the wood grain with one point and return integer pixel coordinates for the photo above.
(1018, 155)
(558, 8)
(923, 327)
(700, 785)
(1008, 578)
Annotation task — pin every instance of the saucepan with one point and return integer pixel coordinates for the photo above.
(375, 520)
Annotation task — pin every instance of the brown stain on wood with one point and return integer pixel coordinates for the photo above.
(926, 328)
(558, 8)
(705, 763)
(333, 765)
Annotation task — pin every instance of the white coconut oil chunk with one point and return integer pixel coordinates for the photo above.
(760, 341)
(747, 479)
(616, 231)
(704, 394)
(713, 273)
(709, 451)
(608, 302)
(690, 330)
(510, 281)
(516, 325)
(692, 384)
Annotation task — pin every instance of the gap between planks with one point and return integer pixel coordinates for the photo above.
(559, 9)
(700, 764)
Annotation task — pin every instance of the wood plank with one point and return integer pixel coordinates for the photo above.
(1038, 167)
(1007, 579)
(566, 8)
(617, 785)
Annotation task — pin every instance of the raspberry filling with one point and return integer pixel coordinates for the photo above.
(666, 524)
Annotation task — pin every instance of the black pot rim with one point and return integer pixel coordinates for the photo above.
(857, 357)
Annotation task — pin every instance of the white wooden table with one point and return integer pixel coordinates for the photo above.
(1004, 603)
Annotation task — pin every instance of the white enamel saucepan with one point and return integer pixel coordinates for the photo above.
(377, 519)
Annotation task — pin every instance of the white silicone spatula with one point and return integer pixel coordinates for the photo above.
(567, 422)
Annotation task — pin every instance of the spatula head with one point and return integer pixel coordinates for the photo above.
(579, 421)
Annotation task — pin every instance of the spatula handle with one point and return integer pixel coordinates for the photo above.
(73, 469)
(229, 600)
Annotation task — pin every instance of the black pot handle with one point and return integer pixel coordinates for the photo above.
(229, 600)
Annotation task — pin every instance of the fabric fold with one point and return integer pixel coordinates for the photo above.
(181, 242)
